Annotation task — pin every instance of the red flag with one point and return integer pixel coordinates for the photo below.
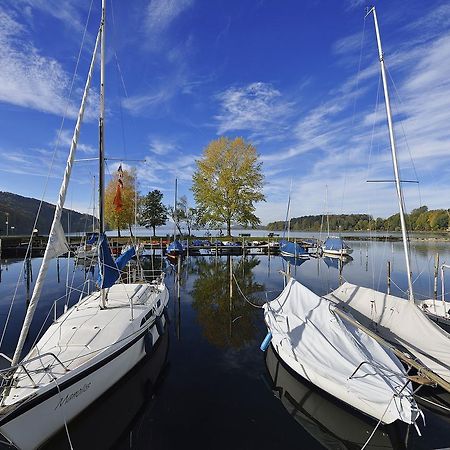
(117, 202)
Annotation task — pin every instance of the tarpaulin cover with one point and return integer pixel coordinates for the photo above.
(334, 243)
(322, 348)
(398, 320)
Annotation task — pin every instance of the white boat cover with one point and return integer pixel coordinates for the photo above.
(398, 320)
(319, 346)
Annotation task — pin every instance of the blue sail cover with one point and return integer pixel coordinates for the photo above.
(334, 243)
(92, 239)
(175, 247)
(292, 248)
(109, 269)
(123, 259)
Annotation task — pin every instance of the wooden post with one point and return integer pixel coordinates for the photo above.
(178, 275)
(389, 278)
(57, 270)
(231, 280)
(436, 273)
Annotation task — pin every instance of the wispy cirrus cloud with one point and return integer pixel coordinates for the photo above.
(32, 80)
(160, 146)
(342, 143)
(258, 107)
(160, 14)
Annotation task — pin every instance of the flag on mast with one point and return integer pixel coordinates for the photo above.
(117, 202)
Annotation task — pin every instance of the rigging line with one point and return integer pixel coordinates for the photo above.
(401, 123)
(243, 295)
(121, 79)
(369, 159)
(27, 253)
(354, 110)
(63, 413)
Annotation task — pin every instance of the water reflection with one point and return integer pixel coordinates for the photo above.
(337, 263)
(332, 424)
(114, 420)
(225, 321)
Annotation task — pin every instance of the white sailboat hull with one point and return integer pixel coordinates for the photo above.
(42, 418)
(337, 253)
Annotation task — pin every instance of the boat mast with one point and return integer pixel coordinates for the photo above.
(326, 207)
(101, 126)
(175, 211)
(56, 227)
(394, 157)
(101, 148)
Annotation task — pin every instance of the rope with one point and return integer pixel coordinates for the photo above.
(244, 297)
(63, 413)
(381, 418)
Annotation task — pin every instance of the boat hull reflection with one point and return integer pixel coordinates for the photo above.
(113, 417)
(333, 424)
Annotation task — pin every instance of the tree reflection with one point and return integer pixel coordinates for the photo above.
(224, 321)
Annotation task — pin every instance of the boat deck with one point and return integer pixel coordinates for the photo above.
(86, 331)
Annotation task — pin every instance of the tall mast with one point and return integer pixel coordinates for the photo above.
(101, 125)
(326, 207)
(101, 148)
(175, 210)
(394, 158)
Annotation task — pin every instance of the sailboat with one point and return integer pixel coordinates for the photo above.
(309, 333)
(91, 345)
(334, 246)
(398, 320)
(175, 249)
(287, 247)
(336, 356)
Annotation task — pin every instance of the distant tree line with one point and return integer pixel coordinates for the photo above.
(420, 219)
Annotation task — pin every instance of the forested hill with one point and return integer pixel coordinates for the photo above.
(420, 219)
(22, 212)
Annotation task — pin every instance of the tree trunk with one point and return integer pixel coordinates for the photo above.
(131, 231)
(154, 230)
(228, 227)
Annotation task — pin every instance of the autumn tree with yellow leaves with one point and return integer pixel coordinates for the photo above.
(124, 217)
(228, 182)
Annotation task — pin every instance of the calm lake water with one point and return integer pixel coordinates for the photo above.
(209, 386)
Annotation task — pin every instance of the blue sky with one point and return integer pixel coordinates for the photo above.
(288, 76)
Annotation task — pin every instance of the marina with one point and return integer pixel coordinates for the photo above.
(214, 361)
(130, 321)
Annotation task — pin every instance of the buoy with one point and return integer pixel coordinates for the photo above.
(266, 342)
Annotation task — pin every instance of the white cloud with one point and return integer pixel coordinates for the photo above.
(162, 147)
(159, 17)
(30, 79)
(257, 107)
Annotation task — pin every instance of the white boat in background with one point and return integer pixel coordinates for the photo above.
(334, 246)
(337, 357)
(91, 345)
(86, 251)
